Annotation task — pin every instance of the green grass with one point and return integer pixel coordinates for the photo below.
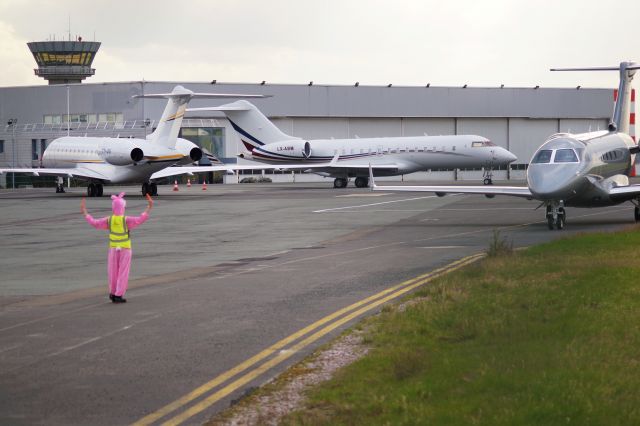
(548, 335)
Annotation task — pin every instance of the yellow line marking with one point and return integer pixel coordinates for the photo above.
(404, 287)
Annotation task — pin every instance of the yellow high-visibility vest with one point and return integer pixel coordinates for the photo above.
(118, 232)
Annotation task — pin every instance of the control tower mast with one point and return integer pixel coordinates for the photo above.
(64, 62)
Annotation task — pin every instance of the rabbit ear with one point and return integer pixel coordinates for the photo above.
(113, 197)
(121, 195)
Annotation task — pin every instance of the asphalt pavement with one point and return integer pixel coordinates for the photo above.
(219, 279)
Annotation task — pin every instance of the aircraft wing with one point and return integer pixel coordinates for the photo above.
(628, 191)
(77, 172)
(514, 191)
(179, 170)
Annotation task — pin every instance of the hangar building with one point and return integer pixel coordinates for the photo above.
(518, 119)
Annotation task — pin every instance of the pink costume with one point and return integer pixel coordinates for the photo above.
(119, 259)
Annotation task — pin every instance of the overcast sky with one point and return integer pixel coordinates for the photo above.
(404, 42)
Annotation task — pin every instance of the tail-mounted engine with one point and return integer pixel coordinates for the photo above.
(122, 155)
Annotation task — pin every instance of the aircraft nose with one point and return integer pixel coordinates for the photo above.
(548, 181)
(505, 157)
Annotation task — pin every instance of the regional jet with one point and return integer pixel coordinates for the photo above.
(118, 160)
(577, 170)
(350, 158)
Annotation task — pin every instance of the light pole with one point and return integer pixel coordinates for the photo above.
(68, 115)
(12, 122)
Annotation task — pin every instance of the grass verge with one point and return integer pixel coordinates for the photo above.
(548, 335)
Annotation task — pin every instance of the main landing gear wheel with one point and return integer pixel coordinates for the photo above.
(362, 182)
(487, 181)
(150, 188)
(636, 214)
(340, 183)
(95, 190)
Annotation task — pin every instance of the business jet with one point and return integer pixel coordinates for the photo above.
(577, 170)
(117, 160)
(350, 158)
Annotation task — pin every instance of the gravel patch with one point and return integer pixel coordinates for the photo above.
(287, 393)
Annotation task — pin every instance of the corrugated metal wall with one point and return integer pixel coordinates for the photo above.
(519, 119)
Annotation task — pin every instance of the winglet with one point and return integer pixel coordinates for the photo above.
(372, 183)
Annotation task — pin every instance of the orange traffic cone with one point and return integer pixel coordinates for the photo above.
(175, 185)
(204, 185)
(188, 183)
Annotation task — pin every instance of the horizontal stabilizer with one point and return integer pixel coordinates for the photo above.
(181, 92)
(220, 108)
(617, 68)
(200, 95)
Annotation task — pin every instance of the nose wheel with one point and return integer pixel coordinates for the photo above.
(556, 216)
(488, 176)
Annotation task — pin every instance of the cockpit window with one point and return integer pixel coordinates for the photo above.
(565, 156)
(543, 156)
(477, 144)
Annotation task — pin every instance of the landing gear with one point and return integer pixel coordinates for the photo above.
(556, 216)
(150, 188)
(488, 176)
(340, 182)
(362, 182)
(95, 190)
(636, 214)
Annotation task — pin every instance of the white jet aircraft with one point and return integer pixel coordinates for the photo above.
(345, 158)
(585, 170)
(119, 160)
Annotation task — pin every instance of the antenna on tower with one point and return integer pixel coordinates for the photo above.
(69, 27)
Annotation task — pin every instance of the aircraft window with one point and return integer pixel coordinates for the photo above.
(543, 156)
(565, 156)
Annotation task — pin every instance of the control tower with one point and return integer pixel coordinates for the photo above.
(63, 62)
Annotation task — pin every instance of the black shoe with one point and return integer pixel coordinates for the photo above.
(119, 299)
(111, 296)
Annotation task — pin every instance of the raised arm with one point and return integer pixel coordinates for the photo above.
(135, 221)
(96, 223)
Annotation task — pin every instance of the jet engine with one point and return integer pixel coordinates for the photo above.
(192, 152)
(292, 148)
(122, 155)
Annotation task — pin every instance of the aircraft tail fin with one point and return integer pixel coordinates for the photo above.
(166, 134)
(251, 125)
(621, 108)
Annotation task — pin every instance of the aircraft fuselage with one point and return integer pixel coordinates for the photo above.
(579, 169)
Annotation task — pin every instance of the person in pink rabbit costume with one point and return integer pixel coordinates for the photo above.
(118, 225)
